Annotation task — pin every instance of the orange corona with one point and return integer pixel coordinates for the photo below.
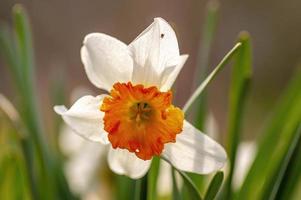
(141, 119)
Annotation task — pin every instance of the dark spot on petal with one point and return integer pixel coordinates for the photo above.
(162, 35)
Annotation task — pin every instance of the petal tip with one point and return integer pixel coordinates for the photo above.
(60, 109)
(160, 19)
(89, 36)
(184, 56)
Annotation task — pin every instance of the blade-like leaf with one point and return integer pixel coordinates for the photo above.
(9, 53)
(28, 104)
(29, 110)
(214, 186)
(193, 190)
(176, 195)
(211, 76)
(203, 60)
(272, 187)
(14, 183)
(47, 180)
(152, 178)
(277, 139)
(141, 188)
(240, 78)
(199, 111)
(289, 184)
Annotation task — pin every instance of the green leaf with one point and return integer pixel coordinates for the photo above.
(211, 76)
(214, 186)
(14, 183)
(24, 40)
(193, 190)
(240, 79)
(141, 188)
(203, 60)
(277, 139)
(272, 187)
(199, 111)
(46, 178)
(9, 53)
(28, 107)
(289, 184)
(152, 177)
(176, 195)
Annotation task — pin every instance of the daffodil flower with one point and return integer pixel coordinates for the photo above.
(137, 118)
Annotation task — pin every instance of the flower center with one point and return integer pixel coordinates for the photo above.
(140, 112)
(141, 119)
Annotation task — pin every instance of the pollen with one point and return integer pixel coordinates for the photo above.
(141, 119)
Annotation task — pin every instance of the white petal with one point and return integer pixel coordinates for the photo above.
(170, 74)
(66, 137)
(123, 162)
(195, 152)
(82, 167)
(106, 60)
(85, 118)
(152, 50)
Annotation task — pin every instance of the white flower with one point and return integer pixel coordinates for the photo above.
(137, 117)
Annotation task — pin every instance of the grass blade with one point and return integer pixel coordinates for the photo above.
(199, 111)
(25, 53)
(292, 176)
(241, 74)
(273, 185)
(189, 184)
(214, 186)
(28, 106)
(211, 76)
(12, 153)
(277, 138)
(193, 190)
(141, 188)
(203, 60)
(9, 52)
(45, 175)
(176, 195)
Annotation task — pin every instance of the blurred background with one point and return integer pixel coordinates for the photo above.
(60, 26)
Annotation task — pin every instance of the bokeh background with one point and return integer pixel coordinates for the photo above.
(60, 26)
